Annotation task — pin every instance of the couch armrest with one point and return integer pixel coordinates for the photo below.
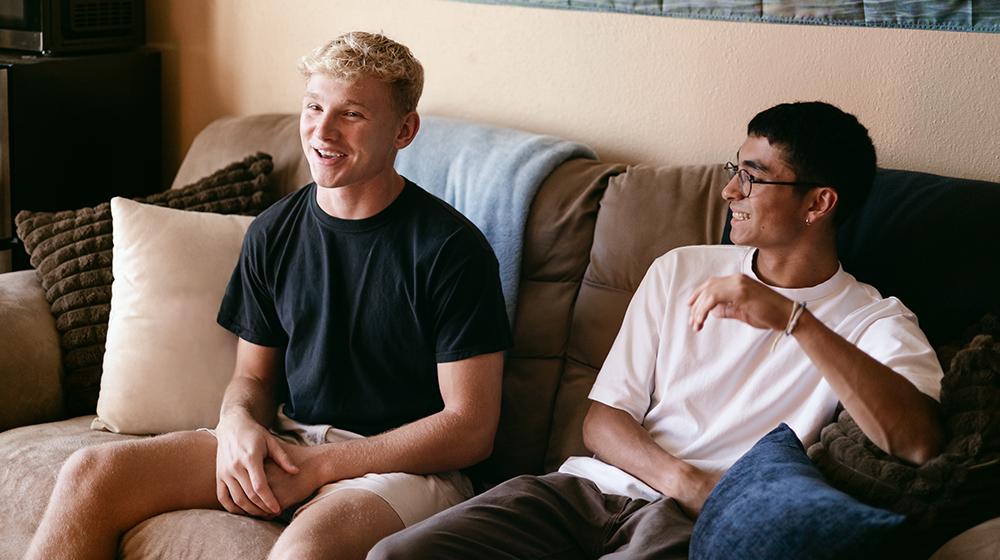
(30, 360)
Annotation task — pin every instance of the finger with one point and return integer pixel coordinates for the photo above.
(277, 452)
(262, 491)
(247, 498)
(241, 500)
(222, 493)
(237, 499)
(697, 292)
(704, 305)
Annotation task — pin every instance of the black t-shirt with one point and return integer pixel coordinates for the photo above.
(365, 309)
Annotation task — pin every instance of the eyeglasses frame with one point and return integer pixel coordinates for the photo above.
(750, 180)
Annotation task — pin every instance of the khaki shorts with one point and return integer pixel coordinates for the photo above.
(413, 497)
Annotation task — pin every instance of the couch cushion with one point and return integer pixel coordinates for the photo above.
(167, 361)
(31, 457)
(558, 235)
(924, 238)
(773, 503)
(644, 213)
(952, 492)
(30, 369)
(71, 251)
(230, 138)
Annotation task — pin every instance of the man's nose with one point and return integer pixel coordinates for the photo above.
(732, 189)
(326, 126)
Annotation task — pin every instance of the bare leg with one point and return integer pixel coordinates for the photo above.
(344, 525)
(105, 490)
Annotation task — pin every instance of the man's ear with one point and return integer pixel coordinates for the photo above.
(823, 201)
(407, 130)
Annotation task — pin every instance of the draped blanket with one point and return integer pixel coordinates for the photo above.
(490, 175)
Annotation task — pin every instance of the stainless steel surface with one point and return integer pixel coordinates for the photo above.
(21, 40)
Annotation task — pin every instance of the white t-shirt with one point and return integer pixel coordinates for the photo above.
(706, 397)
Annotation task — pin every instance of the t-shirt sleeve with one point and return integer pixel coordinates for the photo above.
(247, 307)
(896, 341)
(469, 315)
(626, 379)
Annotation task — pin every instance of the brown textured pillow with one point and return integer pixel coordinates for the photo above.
(952, 492)
(71, 251)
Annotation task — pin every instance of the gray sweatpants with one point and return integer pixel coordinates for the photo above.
(552, 516)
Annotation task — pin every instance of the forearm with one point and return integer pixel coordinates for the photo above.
(617, 439)
(248, 397)
(440, 442)
(895, 415)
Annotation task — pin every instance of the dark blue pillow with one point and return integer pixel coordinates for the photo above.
(773, 503)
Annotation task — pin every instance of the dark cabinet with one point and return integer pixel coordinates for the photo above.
(75, 131)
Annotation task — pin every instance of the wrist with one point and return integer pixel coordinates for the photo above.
(234, 416)
(316, 466)
(676, 477)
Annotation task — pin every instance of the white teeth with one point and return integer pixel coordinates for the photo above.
(328, 154)
(740, 216)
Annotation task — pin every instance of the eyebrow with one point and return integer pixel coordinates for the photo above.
(753, 164)
(315, 96)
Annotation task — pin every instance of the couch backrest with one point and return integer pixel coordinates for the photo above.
(231, 139)
(644, 213)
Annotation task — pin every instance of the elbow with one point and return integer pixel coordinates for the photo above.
(591, 429)
(479, 449)
(924, 446)
(477, 444)
(926, 449)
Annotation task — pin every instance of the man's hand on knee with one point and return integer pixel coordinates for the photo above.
(242, 485)
(290, 488)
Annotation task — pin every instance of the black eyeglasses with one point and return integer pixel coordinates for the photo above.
(747, 181)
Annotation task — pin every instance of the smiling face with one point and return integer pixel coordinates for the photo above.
(351, 131)
(773, 216)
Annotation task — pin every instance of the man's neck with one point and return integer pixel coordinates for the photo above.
(800, 267)
(363, 200)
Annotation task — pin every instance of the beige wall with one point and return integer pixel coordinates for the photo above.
(636, 88)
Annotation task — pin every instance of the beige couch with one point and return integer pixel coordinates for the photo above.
(593, 229)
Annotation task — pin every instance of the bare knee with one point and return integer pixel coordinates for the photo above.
(85, 473)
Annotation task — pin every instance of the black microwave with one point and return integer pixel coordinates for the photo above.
(71, 26)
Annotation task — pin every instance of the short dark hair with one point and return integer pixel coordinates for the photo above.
(822, 144)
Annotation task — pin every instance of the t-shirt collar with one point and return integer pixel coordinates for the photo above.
(826, 288)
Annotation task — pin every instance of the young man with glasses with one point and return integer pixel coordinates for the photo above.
(719, 345)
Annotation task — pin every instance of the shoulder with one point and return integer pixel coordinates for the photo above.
(437, 221)
(710, 260)
(279, 214)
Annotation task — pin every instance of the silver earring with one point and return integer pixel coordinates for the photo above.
(808, 222)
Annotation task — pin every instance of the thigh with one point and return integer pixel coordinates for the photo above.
(553, 516)
(413, 497)
(651, 530)
(344, 524)
(142, 478)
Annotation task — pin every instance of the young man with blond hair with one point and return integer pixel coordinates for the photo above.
(368, 309)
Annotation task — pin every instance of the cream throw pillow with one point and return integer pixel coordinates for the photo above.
(167, 362)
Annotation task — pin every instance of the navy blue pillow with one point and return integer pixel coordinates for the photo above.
(774, 503)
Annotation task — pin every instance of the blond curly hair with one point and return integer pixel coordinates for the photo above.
(359, 54)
